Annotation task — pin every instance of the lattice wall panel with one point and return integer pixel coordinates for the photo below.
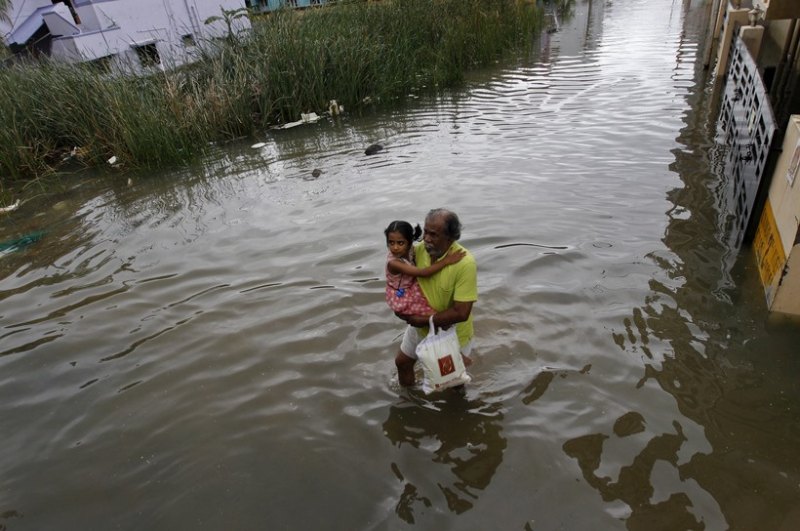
(748, 125)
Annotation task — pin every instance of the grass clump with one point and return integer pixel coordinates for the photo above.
(291, 62)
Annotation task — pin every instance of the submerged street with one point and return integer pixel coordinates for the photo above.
(210, 347)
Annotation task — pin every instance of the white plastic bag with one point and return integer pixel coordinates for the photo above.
(442, 364)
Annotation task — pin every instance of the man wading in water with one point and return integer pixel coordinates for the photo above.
(450, 292)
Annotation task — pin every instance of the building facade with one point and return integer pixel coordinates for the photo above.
(121, 35)
(755, 55)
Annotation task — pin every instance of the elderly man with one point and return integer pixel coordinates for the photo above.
(451, 291)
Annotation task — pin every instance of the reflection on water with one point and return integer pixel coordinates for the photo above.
(458, 433)
(209, 347)
(704, 351)
(633, 486)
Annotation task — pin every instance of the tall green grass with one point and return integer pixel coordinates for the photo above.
(48, 109)
(291, 62)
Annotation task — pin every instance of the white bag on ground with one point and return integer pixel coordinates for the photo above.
(442, 364)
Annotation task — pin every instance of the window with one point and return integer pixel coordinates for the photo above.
(148, 54)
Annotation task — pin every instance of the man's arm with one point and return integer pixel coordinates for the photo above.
(457, 313)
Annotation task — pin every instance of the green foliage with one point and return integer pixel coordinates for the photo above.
(291, 62)
(4, 5)
(48, 110)
(229, 17)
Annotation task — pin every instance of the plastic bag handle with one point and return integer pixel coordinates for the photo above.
(430, 324)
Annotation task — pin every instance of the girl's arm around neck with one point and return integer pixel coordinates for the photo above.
(398, 266)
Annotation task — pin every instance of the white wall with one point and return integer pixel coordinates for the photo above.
(117, 27)
(19, 11)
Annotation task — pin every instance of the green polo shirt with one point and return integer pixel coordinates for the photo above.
(456, 282)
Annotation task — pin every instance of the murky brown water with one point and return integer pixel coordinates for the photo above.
(210, 349)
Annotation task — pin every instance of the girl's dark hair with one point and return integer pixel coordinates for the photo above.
(410, 233)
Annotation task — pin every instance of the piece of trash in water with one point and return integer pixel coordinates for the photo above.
(305, 118)
(112, 160)
(334, 108)
(10, 208)
(315, 173)
(374, 148)
(258, 145)
(23, 241)
(75, 153)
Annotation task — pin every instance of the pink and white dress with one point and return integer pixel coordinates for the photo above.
(403, 293)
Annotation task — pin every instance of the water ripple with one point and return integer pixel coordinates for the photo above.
(205, 341)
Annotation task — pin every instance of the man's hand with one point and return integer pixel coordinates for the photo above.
(417, 321)
(457, 313)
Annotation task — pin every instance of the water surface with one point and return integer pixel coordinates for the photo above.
(209, 348)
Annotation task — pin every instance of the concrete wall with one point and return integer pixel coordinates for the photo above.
(778, 9)
(775, 37)
(776, 243)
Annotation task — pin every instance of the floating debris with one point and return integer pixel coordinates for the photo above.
(10, 208)
(374, 148)
(305, 118)
(334, 108)
(259, 145)
(78, 153)
(21, 242)
(315, 173)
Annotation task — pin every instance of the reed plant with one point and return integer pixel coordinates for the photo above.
(290, 62)
(51, 113)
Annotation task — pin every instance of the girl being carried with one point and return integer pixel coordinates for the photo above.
(403, 294)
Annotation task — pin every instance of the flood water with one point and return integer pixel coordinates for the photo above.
(210, 349)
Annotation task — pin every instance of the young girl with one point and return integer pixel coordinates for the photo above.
(403, 293)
